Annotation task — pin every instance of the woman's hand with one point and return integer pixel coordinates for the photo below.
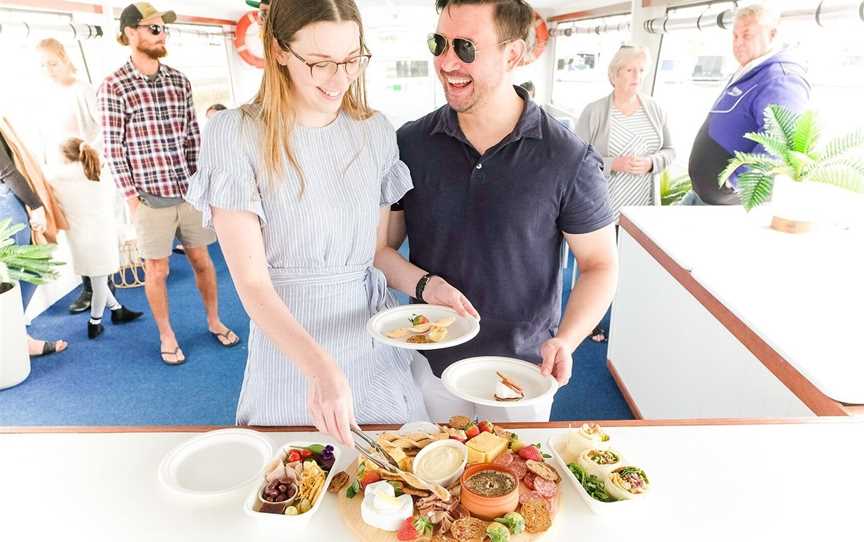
(439, 292)
(331, 403)
(640, 165)
(38, 221)
(622, 164)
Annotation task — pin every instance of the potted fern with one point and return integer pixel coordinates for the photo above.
(792, 160)
(31, 263)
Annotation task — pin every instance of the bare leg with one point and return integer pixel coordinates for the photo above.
(205, 280)
(156, 276)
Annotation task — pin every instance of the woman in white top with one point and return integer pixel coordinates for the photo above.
(88, 202)
(298, 185)
(631, 132)
(68, 110)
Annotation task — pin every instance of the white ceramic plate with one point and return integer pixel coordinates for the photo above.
(461, 331)
(215, 463)
(474, 380)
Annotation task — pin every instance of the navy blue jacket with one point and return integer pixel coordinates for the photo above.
(740, 109)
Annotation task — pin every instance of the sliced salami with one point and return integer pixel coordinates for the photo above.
(528, 480)
(529, 496)
(545, 487)
(518, 466)
(504, 460)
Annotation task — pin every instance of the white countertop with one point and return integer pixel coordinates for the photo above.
(719, 482)
(802, 294)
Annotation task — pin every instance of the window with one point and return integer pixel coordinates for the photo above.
(581, 62)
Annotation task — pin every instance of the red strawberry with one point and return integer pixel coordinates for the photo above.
(305, 453)
(407, 531)
(487, 426)
(293, 456)
(369, 478)
(531, 453)
(472, 431)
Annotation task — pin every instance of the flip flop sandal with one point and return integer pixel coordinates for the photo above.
(599, 331)
(227, 337)
(48, 347)
(176, 354)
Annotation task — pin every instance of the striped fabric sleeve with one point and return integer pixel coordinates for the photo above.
(113, 134)
(396, 180)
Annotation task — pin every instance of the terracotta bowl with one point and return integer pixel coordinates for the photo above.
(489, 508)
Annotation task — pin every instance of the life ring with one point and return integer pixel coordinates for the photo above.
(248, 44)
(538, 36)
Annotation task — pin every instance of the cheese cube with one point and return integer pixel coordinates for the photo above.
(485, 447)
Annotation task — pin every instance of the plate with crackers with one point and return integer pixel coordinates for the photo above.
(422, 327)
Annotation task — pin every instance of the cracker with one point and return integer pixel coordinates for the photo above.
(537, 515)
(469, 529)
(543, 470)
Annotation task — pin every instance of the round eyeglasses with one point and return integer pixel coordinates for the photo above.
(324, 70)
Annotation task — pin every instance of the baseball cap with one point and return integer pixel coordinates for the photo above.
(137, 12)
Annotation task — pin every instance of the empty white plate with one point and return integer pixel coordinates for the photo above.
(474, 380)
(461, 331)
(216, 463)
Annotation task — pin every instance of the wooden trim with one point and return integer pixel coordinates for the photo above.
(631, 403)
(807, 393)
(616, 9)
(66, 6)
(379, 427)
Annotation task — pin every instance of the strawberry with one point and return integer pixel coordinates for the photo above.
(407, 531)
(530, 452)
(369, 478)
(293, 456)
(487, 426)
(305, 453)
(472, 431)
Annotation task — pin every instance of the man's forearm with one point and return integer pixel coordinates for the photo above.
(588, 303)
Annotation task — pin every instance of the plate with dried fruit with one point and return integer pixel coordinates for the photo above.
(422, 327)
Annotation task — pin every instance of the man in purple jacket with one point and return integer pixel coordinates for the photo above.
(766, 76)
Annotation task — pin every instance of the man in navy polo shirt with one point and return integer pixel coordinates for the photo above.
(497, 185)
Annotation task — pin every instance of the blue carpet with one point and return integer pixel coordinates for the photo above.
(118, 379)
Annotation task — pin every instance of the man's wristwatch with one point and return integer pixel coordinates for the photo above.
(421, 285)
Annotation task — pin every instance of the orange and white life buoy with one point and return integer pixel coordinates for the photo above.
(538, 36)
(247, 39)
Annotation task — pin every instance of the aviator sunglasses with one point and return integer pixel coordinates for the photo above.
(464, 48)
(154, 29)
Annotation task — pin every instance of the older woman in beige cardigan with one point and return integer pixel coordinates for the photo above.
(630, 131)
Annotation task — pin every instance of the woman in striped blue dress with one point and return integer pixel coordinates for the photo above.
(298, 186)
(631, 132)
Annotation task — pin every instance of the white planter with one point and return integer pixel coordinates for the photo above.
(14, 359)
(793, 205)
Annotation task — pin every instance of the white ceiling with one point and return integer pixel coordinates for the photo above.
(234, 9)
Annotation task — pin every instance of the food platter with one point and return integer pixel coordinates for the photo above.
(216, 463)
(477, 504)
(477, 380)
(397, 327)
(572, 452)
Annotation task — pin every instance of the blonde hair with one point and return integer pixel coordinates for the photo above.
(624, 55)
(76, 150)
(767, 15)
(56, 48)
(273, 104)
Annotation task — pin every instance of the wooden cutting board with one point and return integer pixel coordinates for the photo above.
(349, 509)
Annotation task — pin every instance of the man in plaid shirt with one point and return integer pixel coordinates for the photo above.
(151, 145)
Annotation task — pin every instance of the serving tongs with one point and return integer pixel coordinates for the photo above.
(388, 463)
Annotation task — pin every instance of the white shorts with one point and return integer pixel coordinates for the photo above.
(441, 404)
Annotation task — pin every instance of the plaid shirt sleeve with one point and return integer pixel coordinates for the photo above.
(193, 135)
(113, 133)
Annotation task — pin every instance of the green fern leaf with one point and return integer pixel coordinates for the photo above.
(837, 147)
(754, 188)
(849, 175)
(806, 133)
(774, 146)
(780, 123)
(750, 160)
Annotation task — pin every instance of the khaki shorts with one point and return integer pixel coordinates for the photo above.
(157, 228)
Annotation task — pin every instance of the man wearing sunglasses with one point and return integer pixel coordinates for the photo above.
(151, 141)
(498, 184)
